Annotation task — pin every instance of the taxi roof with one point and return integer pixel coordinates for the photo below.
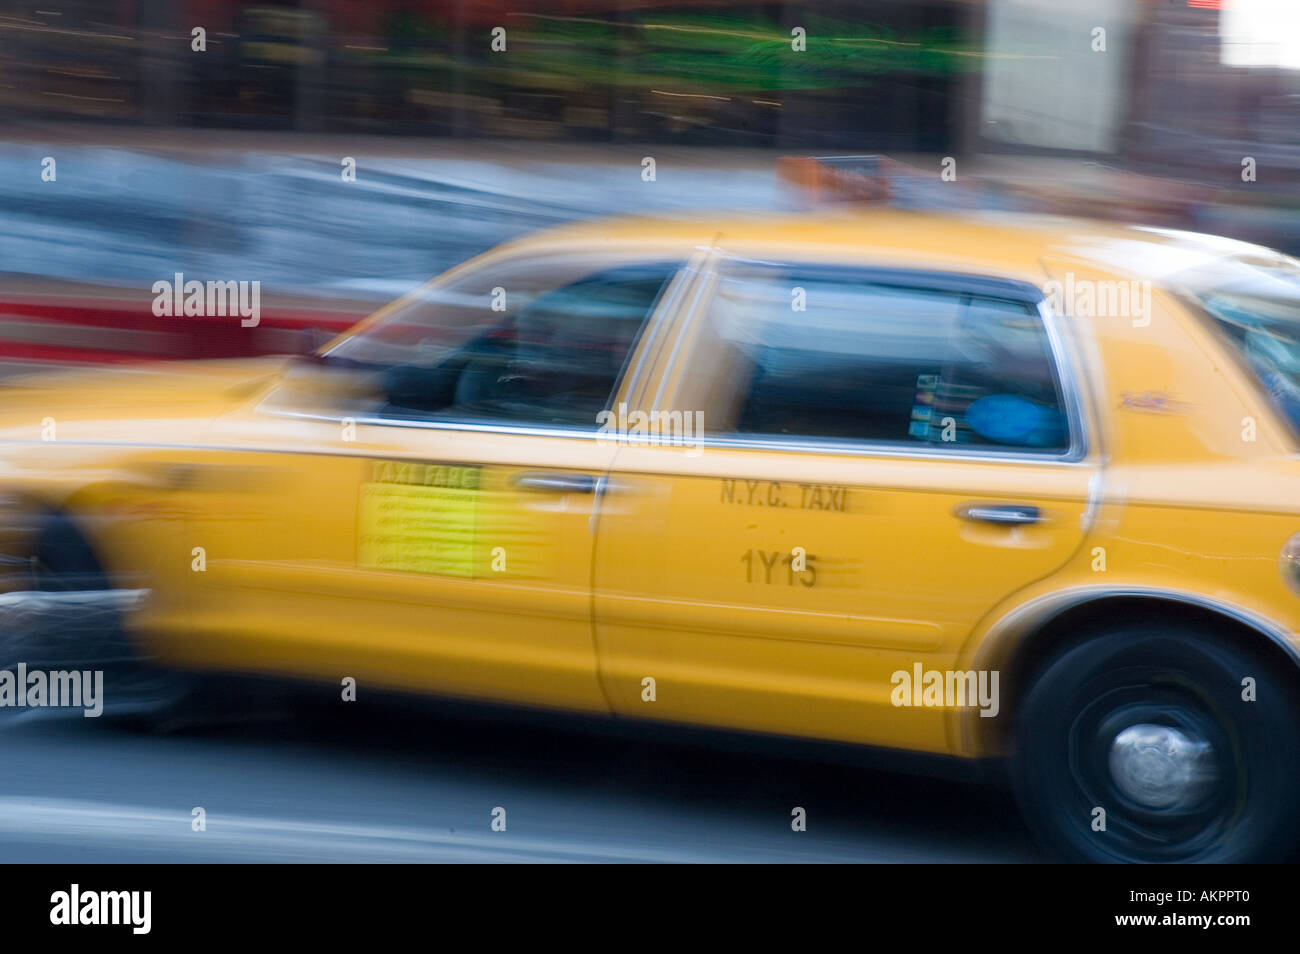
(1012, 244)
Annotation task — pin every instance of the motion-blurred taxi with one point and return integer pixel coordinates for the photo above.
(965, 485)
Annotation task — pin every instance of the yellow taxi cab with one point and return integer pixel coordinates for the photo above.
(978, 486)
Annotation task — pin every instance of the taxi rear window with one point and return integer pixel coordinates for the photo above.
(835, 355)
(1256, 310)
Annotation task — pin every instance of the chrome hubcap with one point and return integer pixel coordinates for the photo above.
(1162, 767)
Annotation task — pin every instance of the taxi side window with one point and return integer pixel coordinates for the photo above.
(529, 345)
(833, 355)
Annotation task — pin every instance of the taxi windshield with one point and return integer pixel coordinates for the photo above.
(1256, 307)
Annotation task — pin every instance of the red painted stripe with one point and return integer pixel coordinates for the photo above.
(142, 316)
(36, 352)
(185, 337)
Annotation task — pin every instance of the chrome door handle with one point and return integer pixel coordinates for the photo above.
(1005, 514)
(556, 483)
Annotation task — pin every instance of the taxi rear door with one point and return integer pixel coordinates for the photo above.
(884, 457)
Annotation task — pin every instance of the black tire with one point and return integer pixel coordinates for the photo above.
(1148, 723)
(61, 559)
(85, 632)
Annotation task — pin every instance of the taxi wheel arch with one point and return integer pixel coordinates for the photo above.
(63, 559)
(1103, 677)
(1021, 664)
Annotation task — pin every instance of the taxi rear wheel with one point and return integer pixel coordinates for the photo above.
(1145, 743)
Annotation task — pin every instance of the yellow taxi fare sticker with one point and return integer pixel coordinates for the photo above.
(419, 518)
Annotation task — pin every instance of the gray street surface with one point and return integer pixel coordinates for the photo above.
(392, 785)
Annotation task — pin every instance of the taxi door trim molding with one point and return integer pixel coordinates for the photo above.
(687, 321)
(669, 311)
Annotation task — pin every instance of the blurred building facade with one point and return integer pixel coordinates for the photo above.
(881, 75)
(875, 75)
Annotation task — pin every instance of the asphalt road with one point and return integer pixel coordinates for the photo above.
(390, 784)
